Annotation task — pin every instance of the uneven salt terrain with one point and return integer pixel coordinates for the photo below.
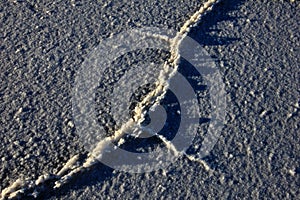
(255, 46)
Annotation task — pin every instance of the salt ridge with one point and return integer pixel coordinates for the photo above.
(19, 187)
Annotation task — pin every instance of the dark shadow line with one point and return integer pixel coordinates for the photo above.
(200, 33)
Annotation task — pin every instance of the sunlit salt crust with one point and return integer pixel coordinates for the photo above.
(19, 187)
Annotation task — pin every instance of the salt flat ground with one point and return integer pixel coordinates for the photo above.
(255, 45)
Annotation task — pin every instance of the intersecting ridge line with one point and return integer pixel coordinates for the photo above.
(34, 187)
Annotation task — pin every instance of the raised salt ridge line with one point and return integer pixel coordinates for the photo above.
(19, 187)
(177, 153)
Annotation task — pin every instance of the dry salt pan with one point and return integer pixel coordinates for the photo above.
(169, 70)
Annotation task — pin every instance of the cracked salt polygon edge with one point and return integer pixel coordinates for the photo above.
(19, 186)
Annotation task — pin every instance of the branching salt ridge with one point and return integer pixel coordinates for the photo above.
(32, 188)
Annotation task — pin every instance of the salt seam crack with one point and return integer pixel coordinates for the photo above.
(71, 168)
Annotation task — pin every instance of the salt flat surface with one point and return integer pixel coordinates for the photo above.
(254, 44)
